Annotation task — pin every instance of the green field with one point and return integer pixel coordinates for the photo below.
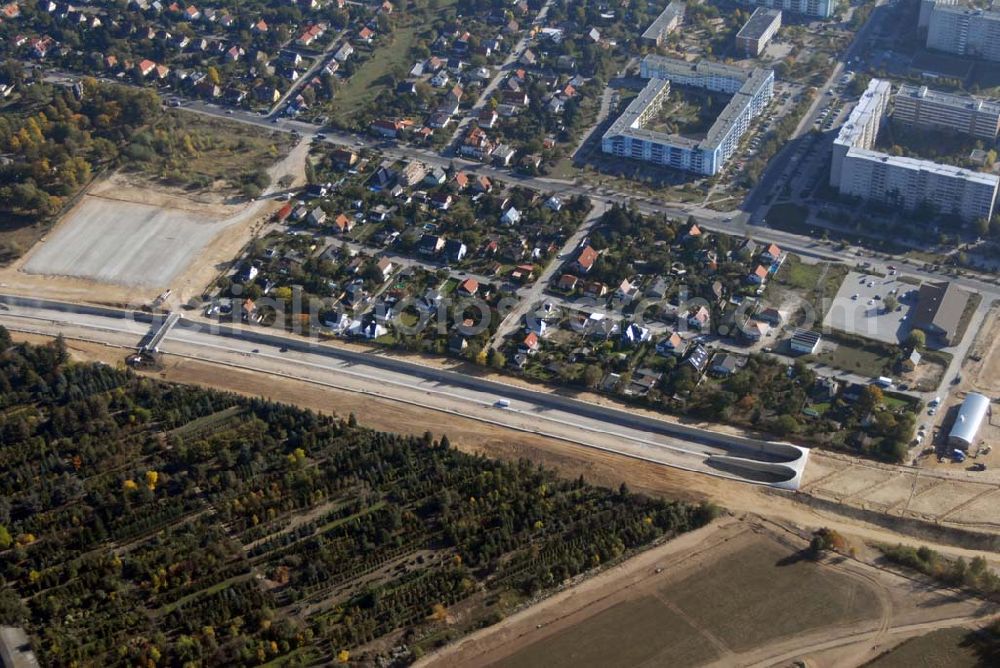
(372, 77)
(197, 151)
(815, 284)
(874, 359)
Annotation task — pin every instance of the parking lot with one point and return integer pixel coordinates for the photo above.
(859, 307)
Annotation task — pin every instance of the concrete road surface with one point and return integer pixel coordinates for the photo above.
(510, 406)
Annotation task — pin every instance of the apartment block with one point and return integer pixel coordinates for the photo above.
(664, 24)
(758, 30)
(921, 107)
(859, 171)
(963, 30)
(819, 8)
(628, 137)
(862, 126)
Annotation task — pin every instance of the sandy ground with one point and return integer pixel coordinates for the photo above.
(980, 372)
(983, 375)
(126, 242)
(906, 607)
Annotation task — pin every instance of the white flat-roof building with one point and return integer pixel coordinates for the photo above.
(758, 30)
(859, 171)
(922, 107)
(968, 421)
(628, 137)
(820, 8)
(664, 24)
(964, 30)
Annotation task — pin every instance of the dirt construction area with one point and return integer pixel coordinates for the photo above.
(740, 592)
(126, 240)
(981, 372)
(111, 239)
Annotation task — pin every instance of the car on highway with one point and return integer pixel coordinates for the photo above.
(978, 466)
(502, 403)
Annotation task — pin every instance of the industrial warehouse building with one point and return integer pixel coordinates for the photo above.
(628, 137)
(921, 107)
(970, 418)
(664, 24)
(939, 310)
(758, 30)
(856, 170)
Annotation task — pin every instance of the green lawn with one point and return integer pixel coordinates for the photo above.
(370, 79)
(789, 217)
(874, 359)
(816, 284)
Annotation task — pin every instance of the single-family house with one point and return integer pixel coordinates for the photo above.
(671, 344)
(771, 254)
(487, 118)
(510, 217)
(634, 334)
(442, 200)
(567, 282)
(585, 259)
(758, 275)
(699, 318)
(316, 217)
(344, 52)
(469, 287)
(430, 244)
(455, 250)
(343, 223)
(698, 358)
(529, 344)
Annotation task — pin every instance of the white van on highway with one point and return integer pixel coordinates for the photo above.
(502, 403)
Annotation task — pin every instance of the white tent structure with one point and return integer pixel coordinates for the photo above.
(969, 419)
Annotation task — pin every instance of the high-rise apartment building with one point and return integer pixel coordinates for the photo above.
(963, 30)
(859, 171)
(921, 107)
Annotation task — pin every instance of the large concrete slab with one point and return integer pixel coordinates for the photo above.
(858, 316)
(126, 243)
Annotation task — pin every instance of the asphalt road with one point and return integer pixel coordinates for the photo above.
(549, 414)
